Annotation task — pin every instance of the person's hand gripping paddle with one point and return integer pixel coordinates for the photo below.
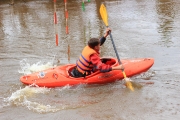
(105, 20)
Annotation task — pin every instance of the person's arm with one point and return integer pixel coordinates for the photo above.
(95, 59)
(103, 39)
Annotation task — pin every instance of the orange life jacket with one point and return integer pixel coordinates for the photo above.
(84, 64)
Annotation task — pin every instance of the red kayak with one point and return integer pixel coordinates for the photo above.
(61, 75)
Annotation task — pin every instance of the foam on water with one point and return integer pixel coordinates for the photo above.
(27, 68)
(45, 100)
(22, 97)
(19, 99)
(146, 75)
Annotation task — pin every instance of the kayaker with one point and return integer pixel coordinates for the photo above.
(89, 60)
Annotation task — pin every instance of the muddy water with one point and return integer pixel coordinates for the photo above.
(139, 29)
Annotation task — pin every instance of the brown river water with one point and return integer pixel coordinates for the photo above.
(140, 29)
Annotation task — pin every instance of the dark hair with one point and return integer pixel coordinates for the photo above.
(93, 42)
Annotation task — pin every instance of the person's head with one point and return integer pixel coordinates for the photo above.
(94, 43)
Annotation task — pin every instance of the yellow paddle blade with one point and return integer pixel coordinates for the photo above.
(128, 82)
(104, 14)
(129, 85)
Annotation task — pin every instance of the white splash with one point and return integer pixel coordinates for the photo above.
(21, 96)
(26, 68)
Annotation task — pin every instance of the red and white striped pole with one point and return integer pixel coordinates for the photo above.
(55, 23)
(67, 30)
(66, 16)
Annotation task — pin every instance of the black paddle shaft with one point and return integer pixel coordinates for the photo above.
(115, 49)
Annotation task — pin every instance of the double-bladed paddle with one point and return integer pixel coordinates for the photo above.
(104, 16)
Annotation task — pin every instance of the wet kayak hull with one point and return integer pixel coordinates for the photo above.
(61, 75)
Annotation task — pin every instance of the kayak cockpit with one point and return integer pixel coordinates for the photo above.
(107, 61)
